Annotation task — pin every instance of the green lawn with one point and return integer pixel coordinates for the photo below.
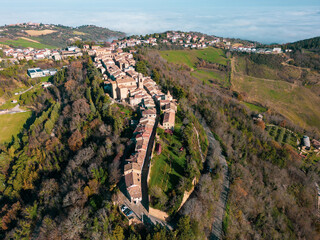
(191, 57)
(7, 105)
(11, 125)
(254, 107)
(25, 43)
(168, 167)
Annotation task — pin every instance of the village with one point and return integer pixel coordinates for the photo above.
(181, 39)
(126, 86)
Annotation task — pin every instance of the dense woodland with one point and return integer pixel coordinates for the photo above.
(272, 195)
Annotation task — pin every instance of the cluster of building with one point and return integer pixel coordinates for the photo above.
(187, 40)
(306, 144)
(40, 54)
(252, 49)
(124, 84)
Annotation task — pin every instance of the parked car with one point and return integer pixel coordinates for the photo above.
(128, 213)
(123, 208)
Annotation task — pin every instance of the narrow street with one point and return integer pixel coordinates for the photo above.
(146, 164)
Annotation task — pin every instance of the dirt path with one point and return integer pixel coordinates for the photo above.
(186, 194)
(158, 214)
(16, 109)
(200, 150)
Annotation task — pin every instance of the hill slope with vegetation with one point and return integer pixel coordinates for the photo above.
(288, 90)
(272, 191)
(54, 36)
(209, 65)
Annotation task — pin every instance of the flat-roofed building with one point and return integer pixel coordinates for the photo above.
(35, 72)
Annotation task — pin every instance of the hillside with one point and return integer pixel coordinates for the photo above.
(209, 65)
(53, 36)
(312, 44)
(272, 192)
(285, 89)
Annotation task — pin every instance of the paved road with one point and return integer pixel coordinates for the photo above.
(217, 231)
(16, 109)
(140, 212)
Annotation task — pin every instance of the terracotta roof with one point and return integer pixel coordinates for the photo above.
(169, 117)
(149, 111)
(132, 166)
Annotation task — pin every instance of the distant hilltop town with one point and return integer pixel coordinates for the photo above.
(40, 54)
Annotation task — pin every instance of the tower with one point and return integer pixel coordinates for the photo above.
(140, 81)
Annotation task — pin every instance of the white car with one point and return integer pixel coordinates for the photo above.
(123, 208)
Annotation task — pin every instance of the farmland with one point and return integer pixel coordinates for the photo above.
(282, 135)
(39, 32)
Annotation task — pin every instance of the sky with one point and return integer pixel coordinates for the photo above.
(266, 21)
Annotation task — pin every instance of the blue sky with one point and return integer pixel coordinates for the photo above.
(266, 21)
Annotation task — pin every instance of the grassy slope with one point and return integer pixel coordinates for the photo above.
(298, 103)
(11, 125)
(25, 43)
(191, 57)
(254, 107)
(168, 167)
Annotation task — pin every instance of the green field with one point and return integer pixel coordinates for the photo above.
(191, 57)
(254, 107)
(11, 125)
(25, 43)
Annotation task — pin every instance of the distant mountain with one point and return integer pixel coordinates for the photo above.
(54, 35)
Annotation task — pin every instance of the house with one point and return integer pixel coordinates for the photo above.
(277, 50)
(132, 167)
(315, 144)
(169, 120)
(46, 84)
(56, 57)
(149, 113)
(35, 72)
(133, 184)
